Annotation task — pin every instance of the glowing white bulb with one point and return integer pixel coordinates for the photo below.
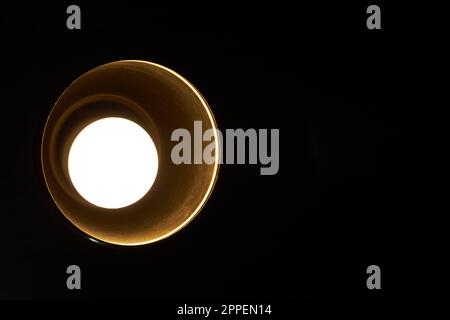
(113, 163)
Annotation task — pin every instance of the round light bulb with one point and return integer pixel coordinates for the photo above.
(113, 163)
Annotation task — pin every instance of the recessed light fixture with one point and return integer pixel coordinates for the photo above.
(106, 153)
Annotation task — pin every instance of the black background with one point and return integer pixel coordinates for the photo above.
(358, 179)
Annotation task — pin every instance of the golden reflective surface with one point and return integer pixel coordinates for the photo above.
(160, 101)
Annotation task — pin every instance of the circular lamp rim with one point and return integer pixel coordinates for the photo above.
(211, 182)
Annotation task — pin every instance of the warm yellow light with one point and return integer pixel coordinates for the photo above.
(113, 163)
